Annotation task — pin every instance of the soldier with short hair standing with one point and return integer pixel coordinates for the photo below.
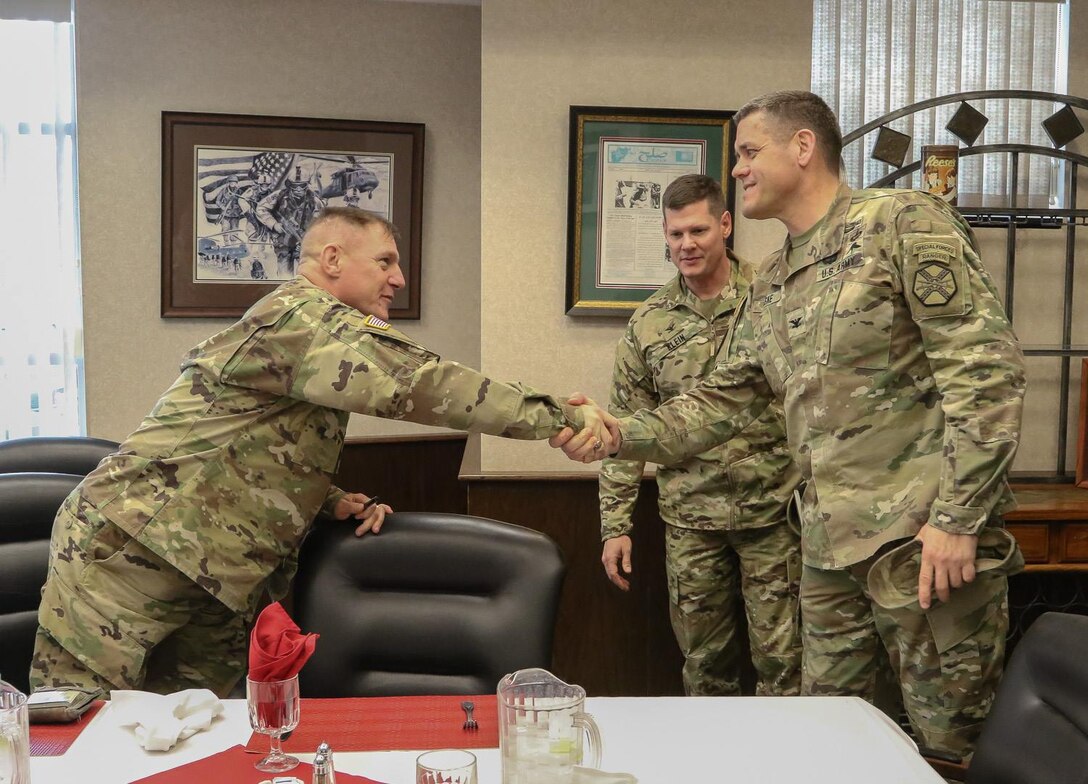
(729, 547)
(159, 557)
(903, 386)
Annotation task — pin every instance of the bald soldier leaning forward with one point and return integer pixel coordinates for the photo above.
(160, 556)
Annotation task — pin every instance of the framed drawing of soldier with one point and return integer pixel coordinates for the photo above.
(238, 192)
(621, 162)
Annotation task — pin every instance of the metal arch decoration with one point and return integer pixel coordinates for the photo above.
(971, 95)
(985, 149)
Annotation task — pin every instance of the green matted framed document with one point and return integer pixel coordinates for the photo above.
(621, 161)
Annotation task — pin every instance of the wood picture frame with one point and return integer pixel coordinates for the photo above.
(621, 160)
(238, 191)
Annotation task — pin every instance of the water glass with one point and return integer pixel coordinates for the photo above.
(274, 711)
(446, 766)
(14, 736)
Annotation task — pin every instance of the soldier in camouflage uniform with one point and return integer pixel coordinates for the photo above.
(159, 558)
(725, 511)
(903, 386)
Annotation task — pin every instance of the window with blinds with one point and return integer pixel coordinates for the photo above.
(870, 57)
(41, 352)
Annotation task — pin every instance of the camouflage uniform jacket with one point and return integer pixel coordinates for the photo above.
(667, 348)
(902, 379)
(225, 475)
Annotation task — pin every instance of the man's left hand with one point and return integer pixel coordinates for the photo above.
(948, 561)
(354, 505)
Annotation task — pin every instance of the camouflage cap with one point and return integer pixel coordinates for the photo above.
(893, 578)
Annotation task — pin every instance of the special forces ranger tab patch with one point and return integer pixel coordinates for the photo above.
(934, 271)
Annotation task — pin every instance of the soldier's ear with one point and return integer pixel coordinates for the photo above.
(330, 257)
(727, 224)
(806, 146)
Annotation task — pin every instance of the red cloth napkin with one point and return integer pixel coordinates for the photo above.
(235, 766)
(277, 648)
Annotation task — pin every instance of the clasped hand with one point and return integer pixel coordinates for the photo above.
(598, 439)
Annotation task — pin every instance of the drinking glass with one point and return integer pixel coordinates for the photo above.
(446, 766)
(273, 711)
(14, 737)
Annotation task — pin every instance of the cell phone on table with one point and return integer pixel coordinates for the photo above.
(59, 706)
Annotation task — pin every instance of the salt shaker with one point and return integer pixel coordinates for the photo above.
(326, 772)
(321, 769)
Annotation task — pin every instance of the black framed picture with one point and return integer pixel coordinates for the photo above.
(238, 192)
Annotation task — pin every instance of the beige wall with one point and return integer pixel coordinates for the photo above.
(496, 161)
(355, 59)
(538, 59)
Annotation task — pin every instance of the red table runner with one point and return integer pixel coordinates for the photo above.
(236, 767)
(52, 740)
(387, 723)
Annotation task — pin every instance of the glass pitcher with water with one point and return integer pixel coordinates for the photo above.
(14, 736)
(542, 726)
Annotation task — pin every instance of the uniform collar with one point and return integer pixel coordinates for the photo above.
(825, 243)
(676, 294)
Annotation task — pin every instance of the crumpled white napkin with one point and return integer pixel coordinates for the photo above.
(159, 721)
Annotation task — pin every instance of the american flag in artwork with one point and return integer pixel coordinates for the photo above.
(215, 167)
(214, 170)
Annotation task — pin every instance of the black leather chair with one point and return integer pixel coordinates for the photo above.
(64, 455)
(28, 504)
(434, 604)
(1037, 730)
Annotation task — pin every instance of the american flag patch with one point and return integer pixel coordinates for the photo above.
(374, 321)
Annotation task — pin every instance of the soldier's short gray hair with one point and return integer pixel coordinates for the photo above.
(355, 217)
(792, 110)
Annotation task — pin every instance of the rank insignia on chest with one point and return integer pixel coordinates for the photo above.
(934, 284)
(675, 341)
(377, 323)
(795, 322)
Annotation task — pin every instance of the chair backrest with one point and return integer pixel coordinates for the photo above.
(434, 604)
(28, 504)
(1037, 730)
(65, 455)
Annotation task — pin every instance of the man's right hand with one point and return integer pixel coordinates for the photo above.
(616, 555)
(599, 438)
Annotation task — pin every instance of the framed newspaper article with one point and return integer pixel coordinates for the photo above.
(621, 161)
(238, 192)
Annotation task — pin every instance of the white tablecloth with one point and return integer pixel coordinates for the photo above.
(662, 740)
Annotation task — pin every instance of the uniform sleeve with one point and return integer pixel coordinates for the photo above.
(369, 374)
(976, 360)
(727, 400)
(332, 498)
(619, 480)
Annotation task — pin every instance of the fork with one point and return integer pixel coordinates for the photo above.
(470, 723)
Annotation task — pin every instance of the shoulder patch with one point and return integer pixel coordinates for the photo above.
(935, 276)
(377, 323)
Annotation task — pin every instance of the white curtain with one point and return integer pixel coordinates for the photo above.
(870, 57)
(41, 351)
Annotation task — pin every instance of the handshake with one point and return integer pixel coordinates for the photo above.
(598, 439)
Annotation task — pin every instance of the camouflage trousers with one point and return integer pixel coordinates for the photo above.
(116, 616)
(947, 672)
(713, 576)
